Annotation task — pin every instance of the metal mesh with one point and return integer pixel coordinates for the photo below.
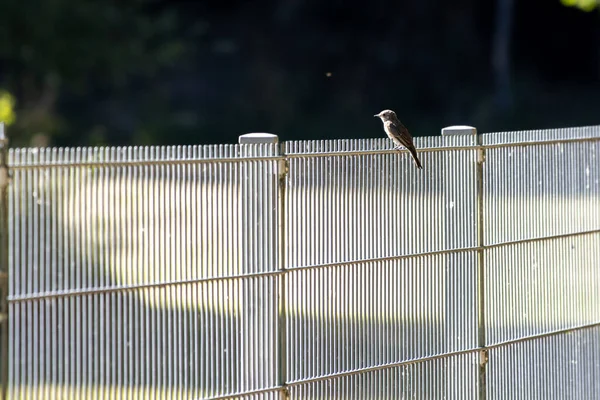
(314, 269)
(542, 229)
(356, 316)
(357, 296)
(382, 204)
(541, 190)
(453, 377)
(543, 286)
(115, 256)
(564, 366)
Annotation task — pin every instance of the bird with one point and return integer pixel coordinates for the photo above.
(398, 133)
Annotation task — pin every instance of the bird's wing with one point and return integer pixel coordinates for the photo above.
(399, 131)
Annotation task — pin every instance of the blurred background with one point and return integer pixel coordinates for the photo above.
(98, 72)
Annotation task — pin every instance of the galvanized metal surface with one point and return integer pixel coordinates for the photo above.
(563, 366)
(141, 241)
(320, 269)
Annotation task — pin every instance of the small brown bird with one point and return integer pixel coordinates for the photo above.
(398, 133)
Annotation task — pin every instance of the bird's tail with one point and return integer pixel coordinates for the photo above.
(413, 153)
(407, 143)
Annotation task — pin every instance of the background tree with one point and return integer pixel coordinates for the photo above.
(179, 71)
(585, 5)
(56, 51)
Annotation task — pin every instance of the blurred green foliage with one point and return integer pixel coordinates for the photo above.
(585, 5)
(7, 108)
(49, 48)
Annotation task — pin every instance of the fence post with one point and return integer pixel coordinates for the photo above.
(458, 318)
(280, 245)
(481, 340)
(4, 181)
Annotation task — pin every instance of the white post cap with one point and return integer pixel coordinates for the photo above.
(258, 137)
(459, 130)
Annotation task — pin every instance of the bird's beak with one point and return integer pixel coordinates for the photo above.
(376, 115)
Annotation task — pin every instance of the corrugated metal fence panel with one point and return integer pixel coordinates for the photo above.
(542, 223)
(543, 194)
(541, 190)
(544, 286)
(114, 260)
(361, 315)
(358, 294)
(449, 378)
(383, 204)
(565, 366)
(515, 138)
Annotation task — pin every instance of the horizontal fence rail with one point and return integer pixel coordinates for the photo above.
(307, 269)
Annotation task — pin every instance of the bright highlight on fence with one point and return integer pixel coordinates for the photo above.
(307, 269)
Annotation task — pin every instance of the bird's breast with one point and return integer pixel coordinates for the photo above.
(390, 131)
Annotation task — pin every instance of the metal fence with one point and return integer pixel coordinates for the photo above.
(306, 270)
